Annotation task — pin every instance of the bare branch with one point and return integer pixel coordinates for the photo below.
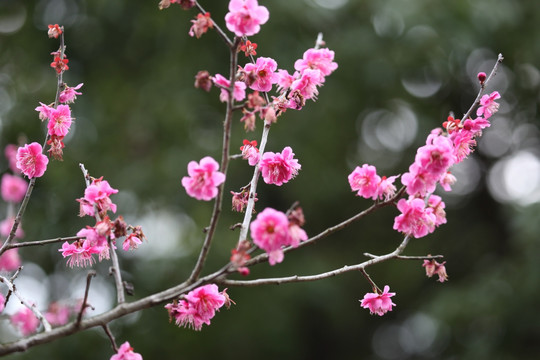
(32, 307)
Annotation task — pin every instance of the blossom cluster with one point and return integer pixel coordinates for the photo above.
(198, 307)
(272, 230)
(94, 240)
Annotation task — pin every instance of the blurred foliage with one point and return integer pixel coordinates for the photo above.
(140, 121)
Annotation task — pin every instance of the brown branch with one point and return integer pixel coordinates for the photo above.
(84, 304)
(225, 155)
(331, 230)
(11, 287)
(42, 242)
(321, 276)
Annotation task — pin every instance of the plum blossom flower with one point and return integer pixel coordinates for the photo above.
(378, 303)
(317, 59)
(98, 194)
(131, 242)
(201, 25)
(30, 160)
(125, 352)
(10, 153)
(307, 83)
(433, 267)
(447, 180)
(270, 232)
(250, 152)
(57, 314)
(69, 94)
(54, 31)
(488, 106)
(10, 260)
(60, 64)
(7, 224)
(415, 218)
(279, 168)
(25, 321)
(365, 180)
(79, 253)
(435, 202)
(2, 301)
(245, 17)
(44, 111)
(263, 73)
(239, 92)
(386, 188)
(204, 179)
(13, 188)
(198, 307)
(59, 121)
(248, 48)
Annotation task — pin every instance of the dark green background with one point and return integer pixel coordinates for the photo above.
(140, 121)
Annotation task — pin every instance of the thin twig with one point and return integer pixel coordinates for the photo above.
(321, 276)
(32, 307)
(42, 242)
(84, 304)
(111, 337)
(331, 230)
(476, 102)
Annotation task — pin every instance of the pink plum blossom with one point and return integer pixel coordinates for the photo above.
(11, 155)
(2, 302)
(13, 188)
(7, 224)
(25, 321)
(69, 94)
(435, 202)
(419, 181)
(270, 232)
(201, 24)
(198, 307)
(79, 253)
(433, 267)
(377, 303)
(239, 92)
(284, 80)
(319, 59)
(476, 126)
(279, 168)
(245, 17)
(437, 155)
(131, 242)
(386, 188)
(57, 314)
(31, 161)
(59, 121)
(97, 194)
(10, 260)
(250, 152)
(263, 73)
(415, 218)
(464, 144)
(44, 111)
(307, 83)
(447, 180)
(204, 179)
(365, 180)
(488, 106)
(125, 352)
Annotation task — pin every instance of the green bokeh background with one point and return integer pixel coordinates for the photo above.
(140, 121)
